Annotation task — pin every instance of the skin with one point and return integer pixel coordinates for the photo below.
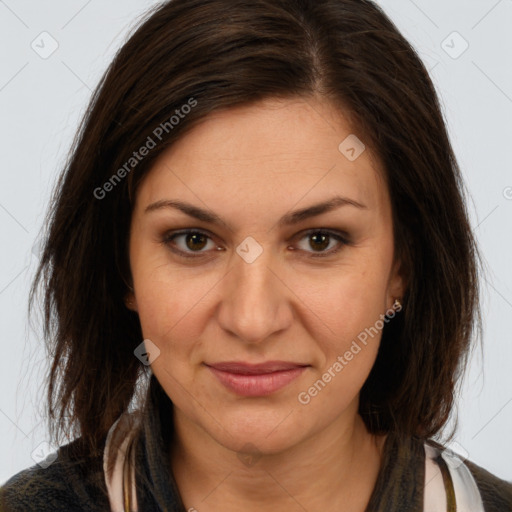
(251, 165)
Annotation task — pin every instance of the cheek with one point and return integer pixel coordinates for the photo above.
(350, 309)
(174, 309)
(348, 331)
(347, 303)
(166, 311)
(163, 296)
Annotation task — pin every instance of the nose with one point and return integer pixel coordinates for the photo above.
(255, 302)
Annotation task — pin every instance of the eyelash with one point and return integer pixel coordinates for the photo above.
(169, 237)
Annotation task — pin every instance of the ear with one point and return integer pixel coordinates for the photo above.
(397, 284)
(130, 301)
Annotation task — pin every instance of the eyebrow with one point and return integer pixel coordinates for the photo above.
(288, 219)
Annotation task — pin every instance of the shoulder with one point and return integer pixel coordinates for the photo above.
(72, 482)
(496, 493)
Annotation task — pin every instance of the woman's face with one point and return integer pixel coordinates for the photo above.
(267, 275)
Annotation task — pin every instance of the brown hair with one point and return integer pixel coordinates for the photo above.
(212, 55)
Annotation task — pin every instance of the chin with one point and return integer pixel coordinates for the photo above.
(257, 431)
(258, 443)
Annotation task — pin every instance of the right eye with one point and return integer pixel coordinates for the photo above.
(187, 242)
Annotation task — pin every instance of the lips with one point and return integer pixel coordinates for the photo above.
(254, 380)
(256, 369)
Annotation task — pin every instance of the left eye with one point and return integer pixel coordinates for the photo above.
(319, 241)
(195, 241)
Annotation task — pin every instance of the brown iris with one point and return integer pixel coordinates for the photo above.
(196, 241)
(320, 241)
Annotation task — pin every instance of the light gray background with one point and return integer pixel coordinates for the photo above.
(42, 100)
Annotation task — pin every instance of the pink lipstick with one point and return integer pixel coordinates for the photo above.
(256, 379)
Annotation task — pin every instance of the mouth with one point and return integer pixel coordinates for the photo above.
(254, 380)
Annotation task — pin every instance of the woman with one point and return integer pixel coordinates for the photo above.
(265, 193)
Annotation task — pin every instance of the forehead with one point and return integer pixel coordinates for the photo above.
(274, 150)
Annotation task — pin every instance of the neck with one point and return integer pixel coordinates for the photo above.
(336, 469)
